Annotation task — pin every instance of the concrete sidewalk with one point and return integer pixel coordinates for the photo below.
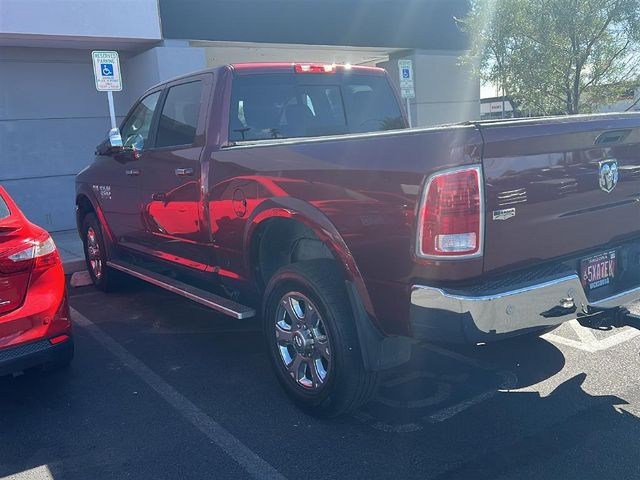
(70, 249)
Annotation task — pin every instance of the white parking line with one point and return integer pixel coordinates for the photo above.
(509, 382)
(552, 337)
(584, 334)
(618, 338)
(452, 411)
(38, 473)
(442, 393)
(589, 342)
(246, 458)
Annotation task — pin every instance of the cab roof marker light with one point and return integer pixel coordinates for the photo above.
(314, 68)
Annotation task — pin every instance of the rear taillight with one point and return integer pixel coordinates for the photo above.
(38, 253)
(451, 215)
(314, 68)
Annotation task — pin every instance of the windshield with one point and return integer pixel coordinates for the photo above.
(293, 105)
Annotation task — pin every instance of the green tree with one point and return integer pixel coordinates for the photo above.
(556, 56)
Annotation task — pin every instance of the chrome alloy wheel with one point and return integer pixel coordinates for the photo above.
(302, 341)
(94, 254)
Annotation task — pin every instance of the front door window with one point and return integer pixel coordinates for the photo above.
(135, 131)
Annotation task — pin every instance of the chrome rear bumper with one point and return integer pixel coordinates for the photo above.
(482, 318)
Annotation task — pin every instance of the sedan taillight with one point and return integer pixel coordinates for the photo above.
(39, 253)
(451, 215)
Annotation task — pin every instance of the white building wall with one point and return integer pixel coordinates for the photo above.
(446, 91)
(162, 63)
(51, 119)
(51, 116)
(628, 104)
(126, 19)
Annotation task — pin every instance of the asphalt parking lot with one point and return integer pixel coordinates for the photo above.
(161, 388)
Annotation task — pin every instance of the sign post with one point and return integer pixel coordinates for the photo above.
(106, 70)
(407, 89)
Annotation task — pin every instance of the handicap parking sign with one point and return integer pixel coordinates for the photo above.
(107, 69)
(405, 68)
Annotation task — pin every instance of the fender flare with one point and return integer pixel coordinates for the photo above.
(83, 190)
(318, 223)
(378, 350)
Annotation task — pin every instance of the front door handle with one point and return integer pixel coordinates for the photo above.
(133, 172)
(184, 172)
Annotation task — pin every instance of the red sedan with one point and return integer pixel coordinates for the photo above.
(35, 326)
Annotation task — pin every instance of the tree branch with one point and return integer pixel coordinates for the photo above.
(603, 29)
(607, 68)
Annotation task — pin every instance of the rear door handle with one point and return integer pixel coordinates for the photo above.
(184, 172)
(134, 172)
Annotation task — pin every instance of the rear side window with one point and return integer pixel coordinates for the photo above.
(179, 117)
(4, 209)
(293, 105)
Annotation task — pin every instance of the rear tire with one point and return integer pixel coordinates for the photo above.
(95, 254)
(312, 339)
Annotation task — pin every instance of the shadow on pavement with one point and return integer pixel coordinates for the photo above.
(583, 445)
(451, 413)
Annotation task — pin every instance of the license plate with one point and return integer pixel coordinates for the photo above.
(598, 271)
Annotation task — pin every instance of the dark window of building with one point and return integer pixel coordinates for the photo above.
(295, 105)
(135, 131)
(179, 119)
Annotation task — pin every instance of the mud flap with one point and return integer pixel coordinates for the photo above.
(379, 352)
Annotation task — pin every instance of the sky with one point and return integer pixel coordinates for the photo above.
(488, 90)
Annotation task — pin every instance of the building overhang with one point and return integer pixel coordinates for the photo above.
(75, 42)
(222, 53)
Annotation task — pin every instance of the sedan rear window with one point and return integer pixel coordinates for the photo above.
(292, 105)
(4, 209)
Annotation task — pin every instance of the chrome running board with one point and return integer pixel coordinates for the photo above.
(208, 299)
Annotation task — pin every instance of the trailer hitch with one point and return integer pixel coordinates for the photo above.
(608, 318)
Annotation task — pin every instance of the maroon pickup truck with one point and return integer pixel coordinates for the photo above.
(294, 192)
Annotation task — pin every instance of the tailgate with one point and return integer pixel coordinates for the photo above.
(559, 187)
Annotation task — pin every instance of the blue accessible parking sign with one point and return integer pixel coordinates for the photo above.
(405, 69)
(107, 69)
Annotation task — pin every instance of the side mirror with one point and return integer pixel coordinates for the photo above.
(112, 144)
(115, 139)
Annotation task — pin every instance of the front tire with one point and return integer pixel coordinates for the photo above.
(95, 254)
(312, 339)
